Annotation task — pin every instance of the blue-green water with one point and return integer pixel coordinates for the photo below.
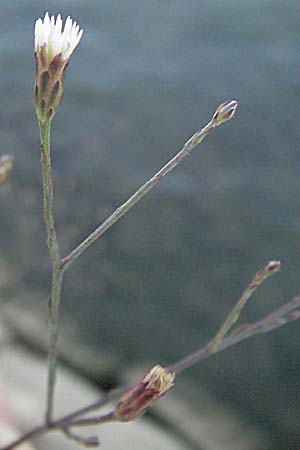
(146, 75)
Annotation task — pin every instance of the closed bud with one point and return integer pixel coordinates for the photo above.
(224, 112)
(265, 272)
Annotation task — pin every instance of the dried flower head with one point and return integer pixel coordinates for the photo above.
(53, 48)
(138, 400)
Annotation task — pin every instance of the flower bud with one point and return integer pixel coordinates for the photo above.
(267, 270)
(6, 164)
(53, 48)
(138, 400)
(224, 112)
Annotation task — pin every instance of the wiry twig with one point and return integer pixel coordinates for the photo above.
(223, 113)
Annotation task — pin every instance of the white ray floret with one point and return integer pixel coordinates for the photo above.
(49, 32)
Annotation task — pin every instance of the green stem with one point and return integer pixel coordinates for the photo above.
(57, 272)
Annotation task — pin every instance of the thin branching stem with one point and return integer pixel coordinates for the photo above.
(222, 340)
(223, 113)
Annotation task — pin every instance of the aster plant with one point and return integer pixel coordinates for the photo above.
(54, 45)
(53, 48)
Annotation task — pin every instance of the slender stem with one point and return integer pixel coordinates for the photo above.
(283, 311)
(48, 192)
(57, 276)
(57, 273)
(223, 113)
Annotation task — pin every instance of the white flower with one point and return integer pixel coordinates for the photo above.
(48, 34)
(53, 48)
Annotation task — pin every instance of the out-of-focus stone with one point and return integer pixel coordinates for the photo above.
(180, 423)
(29, 325)
(24, 376)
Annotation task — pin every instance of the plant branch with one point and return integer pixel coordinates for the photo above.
(222, 340)
(224, 112)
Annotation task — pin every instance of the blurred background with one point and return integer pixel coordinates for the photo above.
(146, 75)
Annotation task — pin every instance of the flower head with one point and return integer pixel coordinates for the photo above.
(138, 400)
(49, 37)
(53, 48)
